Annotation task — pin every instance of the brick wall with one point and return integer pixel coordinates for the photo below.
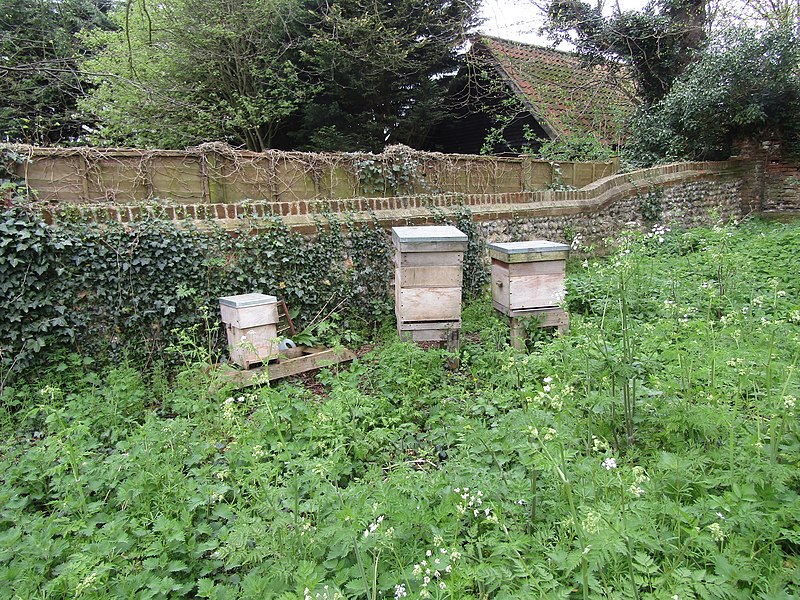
(781, 186)
(692, 194)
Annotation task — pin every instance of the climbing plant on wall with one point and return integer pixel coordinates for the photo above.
(117, 292)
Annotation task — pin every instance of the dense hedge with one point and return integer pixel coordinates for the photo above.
(115, 291)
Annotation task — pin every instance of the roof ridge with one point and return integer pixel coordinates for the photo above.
(568, 53)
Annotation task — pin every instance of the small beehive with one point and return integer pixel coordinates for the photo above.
(429, 262)
(527, 275)
(251, 321)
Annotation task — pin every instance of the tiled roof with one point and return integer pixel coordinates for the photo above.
(566, 97)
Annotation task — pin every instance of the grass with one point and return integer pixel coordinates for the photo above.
(650, 453)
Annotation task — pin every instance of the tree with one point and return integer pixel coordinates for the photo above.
(772, 14)
(655, 44)
(39, 79)
(381, 68)
(744, 86)
(181, 72)
(275, 73)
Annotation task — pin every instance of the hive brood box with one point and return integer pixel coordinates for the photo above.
(527, 275)
(429, 262)
(251, 322)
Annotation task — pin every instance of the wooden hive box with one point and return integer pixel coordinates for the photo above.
(251, 322)
(429, 262)
(527, 275)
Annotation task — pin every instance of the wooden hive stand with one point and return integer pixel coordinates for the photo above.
(528, 283)
(429, 263)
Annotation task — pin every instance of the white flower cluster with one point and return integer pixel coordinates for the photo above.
(658, 232)
(550, 398)
(609, 463)
(432, 570)
(716, 532)
(600, 446)
(471, 502)
(591, 524)
(229, 406)
(307, 528)
(373, 527)
(325, 594)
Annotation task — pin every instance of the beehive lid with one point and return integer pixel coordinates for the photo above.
(247, 300)
(529, 251)
(429, 238)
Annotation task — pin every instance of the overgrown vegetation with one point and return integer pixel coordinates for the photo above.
(652, 452)
(115, 292)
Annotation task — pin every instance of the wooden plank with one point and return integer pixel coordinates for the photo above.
(430, 259)
(434, 276)
(441, 325)
(500, 287)
(444, 246)
(532, 256)
(545, 267)
(313, 358)
(530, 251)
(536, 291)
(547, 317)
(249, 316)
(429, 304)
(550, 316)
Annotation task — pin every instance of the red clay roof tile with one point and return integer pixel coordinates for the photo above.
(566, 97)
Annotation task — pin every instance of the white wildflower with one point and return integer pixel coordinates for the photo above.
(716, 532)
(609, 463)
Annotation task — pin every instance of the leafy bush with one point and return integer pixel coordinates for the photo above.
(744, 86)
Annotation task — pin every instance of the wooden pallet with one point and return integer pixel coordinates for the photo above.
(299, 360)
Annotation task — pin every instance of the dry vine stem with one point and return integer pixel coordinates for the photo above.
(218, 173)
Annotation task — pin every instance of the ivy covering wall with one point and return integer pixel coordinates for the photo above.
(118, 292)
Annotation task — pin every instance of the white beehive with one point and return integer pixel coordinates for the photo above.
(251, 321)
(527, 275)
(429, 262)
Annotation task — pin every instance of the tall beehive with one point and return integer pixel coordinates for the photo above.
(527, 275)
(428, 276)
(251, 322)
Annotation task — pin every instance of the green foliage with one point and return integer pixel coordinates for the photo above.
(383, 69)
(400, 174)
(121, 291)
(580, 148)
(745, 86)
(651, 203)
(183, 72)
(656, 44)
(287, 73)
(117, 292)
(39, 77)
(512, 476)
